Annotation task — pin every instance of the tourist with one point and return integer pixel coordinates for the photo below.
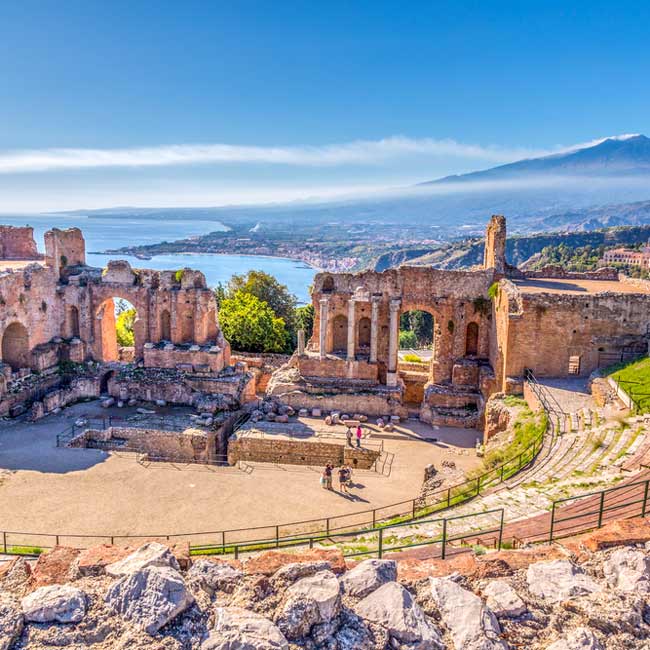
(348, 435)
(328, 476)
(359, 435)
(348, 471)
(343, 479)
(323, 479)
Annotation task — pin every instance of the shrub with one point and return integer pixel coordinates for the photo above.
(407, 339)
(412, 358)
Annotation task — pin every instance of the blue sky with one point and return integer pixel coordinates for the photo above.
(311, 98)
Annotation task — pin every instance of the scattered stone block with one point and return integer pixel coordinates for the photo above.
(54, 603)
(93, 561)
(628, 569)
(150, 554)
(471, 624)
(235, 627)
(557, 580)
(150, 597)
(11, 621)
(367, 576)
(393, 608)
(54, 567)
(503, 600)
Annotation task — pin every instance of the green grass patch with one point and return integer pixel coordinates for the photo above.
(634, 379)
(24, 550)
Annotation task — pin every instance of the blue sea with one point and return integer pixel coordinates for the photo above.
(104, 233)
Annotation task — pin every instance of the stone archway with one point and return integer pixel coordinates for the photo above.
(165, 325)
(107, 346)
(15, 346)
(72, 324)
(471, 340)
(364, 328)
(339, 333)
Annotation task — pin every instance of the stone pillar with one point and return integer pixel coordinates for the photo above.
(393, 342)
(324, 305)
(351, 326)
(301, 341)
(374, 328)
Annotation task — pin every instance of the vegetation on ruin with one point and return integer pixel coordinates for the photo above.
(251, 325)
(493, 291)
(527, 428)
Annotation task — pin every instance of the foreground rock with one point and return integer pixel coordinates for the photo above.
(581, 638)
(212, 576)
(628, 570)
(60, 603)
(151, 554)
(471, 624)
(367, 576)
(558, 580)
(150, 598)
(503, 600)
(311, 601)
(241, 629)
(11, 621)
(393, 608)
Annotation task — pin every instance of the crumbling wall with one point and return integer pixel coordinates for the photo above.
(495, 245)
(17, 243)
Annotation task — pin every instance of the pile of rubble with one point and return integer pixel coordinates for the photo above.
(158, 598)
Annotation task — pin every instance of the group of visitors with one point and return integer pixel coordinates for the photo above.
(345, 477)
(359, 435)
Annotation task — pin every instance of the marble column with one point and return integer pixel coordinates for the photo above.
(393, 342)
(324, 308)
(351, 326)
(374, 328)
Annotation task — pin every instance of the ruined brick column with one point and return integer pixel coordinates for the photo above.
(301, 341)
(374, 328)
(324, 305)
(393, 342)
(351, 314)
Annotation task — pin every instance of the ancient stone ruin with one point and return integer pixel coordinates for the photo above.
(58, 339)
(492, 325)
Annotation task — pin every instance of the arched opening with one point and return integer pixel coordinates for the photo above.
(165, 326)
(339, 334)
(364, 333)
(187, 327)
(117, 330)
(416, 338)
(471, 340)
(72, 325)
(15, 346)
(328, 284)
(103, 383)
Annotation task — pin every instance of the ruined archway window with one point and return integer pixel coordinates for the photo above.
(165, 325)
(73, 322)
(471, 340)
(339, 333)
(116, 330)
(15, 346)
(187, 328)
(364, 332)
(328, 284)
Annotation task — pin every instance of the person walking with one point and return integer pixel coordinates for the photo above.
(323, 479)
(328, 476)
(343, 479)
(359, 435)
(348, 435)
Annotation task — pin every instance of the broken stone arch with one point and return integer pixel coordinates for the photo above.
(15, 346)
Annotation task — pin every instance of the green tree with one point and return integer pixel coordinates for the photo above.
(124, 328)
(305, 320)
(407, 339)
(250, 325)
(265, 287)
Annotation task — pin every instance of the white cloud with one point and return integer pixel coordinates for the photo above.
(356, 152)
